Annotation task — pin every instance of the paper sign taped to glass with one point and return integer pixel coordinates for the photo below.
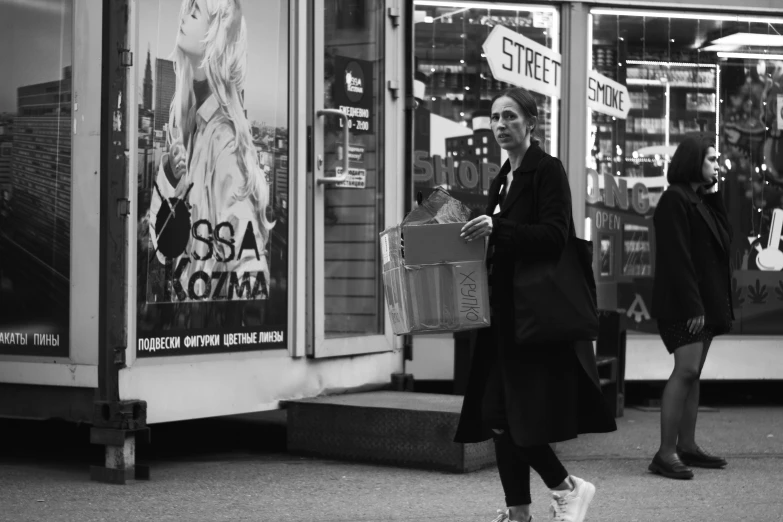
(435, 281)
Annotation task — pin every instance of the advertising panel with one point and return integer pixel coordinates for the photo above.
(35, 177)
(213, 177)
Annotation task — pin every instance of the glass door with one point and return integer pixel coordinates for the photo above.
(347, 184)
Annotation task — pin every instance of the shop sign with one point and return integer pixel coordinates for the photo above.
(520, 61)
(445, 171)
(357, 178)
(770, 258)
(353, 92)
(616, 193)
(606, 96)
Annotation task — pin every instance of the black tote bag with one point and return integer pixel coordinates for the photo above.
(555, 300)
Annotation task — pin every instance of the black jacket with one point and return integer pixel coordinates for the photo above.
(692, 268)
(550, 391)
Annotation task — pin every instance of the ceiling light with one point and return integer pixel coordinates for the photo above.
(751, 56)
(751, 39)
(721, 48)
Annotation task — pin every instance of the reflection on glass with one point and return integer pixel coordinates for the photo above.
(607, 253)
(453, 142)
(636, 251)
(353, 211)
(710, 75)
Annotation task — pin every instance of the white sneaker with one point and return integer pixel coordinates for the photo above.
(571, 506)
(503, 516)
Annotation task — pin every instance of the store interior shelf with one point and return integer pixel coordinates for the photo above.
(641, 82)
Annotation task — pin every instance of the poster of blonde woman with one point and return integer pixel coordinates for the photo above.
(212, 177)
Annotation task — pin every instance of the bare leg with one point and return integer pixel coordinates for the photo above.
(686, 438)
(519, 513)
(675, 394)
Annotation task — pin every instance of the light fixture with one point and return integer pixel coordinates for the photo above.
(751, 56)
(751, 40)
(483, 6)
(720, 48)
(679, 15)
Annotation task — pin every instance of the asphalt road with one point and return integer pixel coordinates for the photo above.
(237, 469)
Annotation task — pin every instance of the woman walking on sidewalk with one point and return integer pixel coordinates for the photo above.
(691, 296)
(528, 396)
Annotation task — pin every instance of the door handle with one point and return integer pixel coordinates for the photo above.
(344, 177)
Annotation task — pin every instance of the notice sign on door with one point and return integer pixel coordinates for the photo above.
(353, 92)
(520, 61)
(356, 178)
(606, 96)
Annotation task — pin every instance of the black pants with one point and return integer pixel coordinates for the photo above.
(514, 463)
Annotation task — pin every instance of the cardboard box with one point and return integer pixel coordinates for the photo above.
(434, 280)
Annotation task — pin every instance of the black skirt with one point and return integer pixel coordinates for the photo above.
(675, 333)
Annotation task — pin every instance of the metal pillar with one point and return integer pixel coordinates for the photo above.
(116, 424)
(573, 105)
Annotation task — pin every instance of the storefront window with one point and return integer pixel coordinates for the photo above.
(454, 145)
(213, 180)
(684, 74)
(35, 177)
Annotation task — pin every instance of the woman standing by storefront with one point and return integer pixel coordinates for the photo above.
(527, 396)
(691, 296)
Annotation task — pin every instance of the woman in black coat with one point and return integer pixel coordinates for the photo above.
(527, 396)
(691, 296)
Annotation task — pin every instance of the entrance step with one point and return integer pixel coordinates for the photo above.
(387, 427)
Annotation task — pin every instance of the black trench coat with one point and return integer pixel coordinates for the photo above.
(540, 393)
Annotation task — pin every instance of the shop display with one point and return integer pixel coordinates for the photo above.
(676, 89)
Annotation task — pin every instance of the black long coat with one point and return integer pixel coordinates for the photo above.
(540, 393)
(692, 268)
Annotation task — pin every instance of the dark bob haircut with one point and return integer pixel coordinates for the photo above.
(688, 159)
(527, 104)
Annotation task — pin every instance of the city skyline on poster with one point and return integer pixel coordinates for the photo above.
(35, 178)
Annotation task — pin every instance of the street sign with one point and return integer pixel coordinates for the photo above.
(520, 61)
(606, 96)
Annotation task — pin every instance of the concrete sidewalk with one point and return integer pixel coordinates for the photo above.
(219, 470)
